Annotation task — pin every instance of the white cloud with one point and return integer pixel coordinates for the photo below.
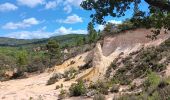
(51, 5)
(31, 3)
(73, 2)
(25, 23)
(69, 3)
(62, 30)
(68, 9)
(100, 27)
(114, 22)
(72, 19)
(41, 33)
(7, 7)
(29, 35)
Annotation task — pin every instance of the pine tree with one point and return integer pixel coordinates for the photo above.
(92, 34)
(53, 48)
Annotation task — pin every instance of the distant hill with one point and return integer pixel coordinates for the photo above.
(27, 42)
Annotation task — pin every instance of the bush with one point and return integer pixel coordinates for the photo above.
(99, 97)
(54, 78)
(63, 94)
(77, 89)
(152, 81)
(113, 65)
(70, 74)
(101, 86)
(165, 93)
(57, 87)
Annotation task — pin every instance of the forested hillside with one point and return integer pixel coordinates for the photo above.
(64, 39)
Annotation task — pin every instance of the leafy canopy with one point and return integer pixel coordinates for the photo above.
(157, 17)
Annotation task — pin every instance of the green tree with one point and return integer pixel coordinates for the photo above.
(108, 28)
(80, 41)
(157, 17)
(22, 61)
(92, 33)
(22, 58)
(77, 89)
(53, 48)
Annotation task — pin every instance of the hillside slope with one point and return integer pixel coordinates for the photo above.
(91, 66)
(27, 42)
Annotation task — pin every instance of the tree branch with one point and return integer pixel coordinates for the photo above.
(159, 4)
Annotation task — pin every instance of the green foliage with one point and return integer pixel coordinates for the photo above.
(32, 55)
(101, 87)
(55, 78)
(108, 28)
(152, 81)
(69, 39)
(92, 34)
(80, 41)
(121, 76)
(158, 15)
(63, 94)
(126, 25)
(22, 58)
(53, 48)
(70, 74)
(77, 89)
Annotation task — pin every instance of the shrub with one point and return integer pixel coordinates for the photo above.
(129, 97)
(57, 87)
(113, 65)
(99, 97)
(63, 94)
(70, 74)
(101, 86)
(165, 93)
(122, 77)
(152, 81)
(54, 78)
(151, 84)
(77, 89)
(108, 72)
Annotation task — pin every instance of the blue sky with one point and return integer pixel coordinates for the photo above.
(28, 19)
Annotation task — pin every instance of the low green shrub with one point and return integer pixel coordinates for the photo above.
(70, 74)
(77, 89)
(55, 78)
(63, 94)
(101, 87)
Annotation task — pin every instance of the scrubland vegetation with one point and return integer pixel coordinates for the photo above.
(20, 56)
(146, 64)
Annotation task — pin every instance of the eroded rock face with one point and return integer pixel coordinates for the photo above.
(98, 60)
(125, 44)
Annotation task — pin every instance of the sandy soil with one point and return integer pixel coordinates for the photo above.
(35, 86)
